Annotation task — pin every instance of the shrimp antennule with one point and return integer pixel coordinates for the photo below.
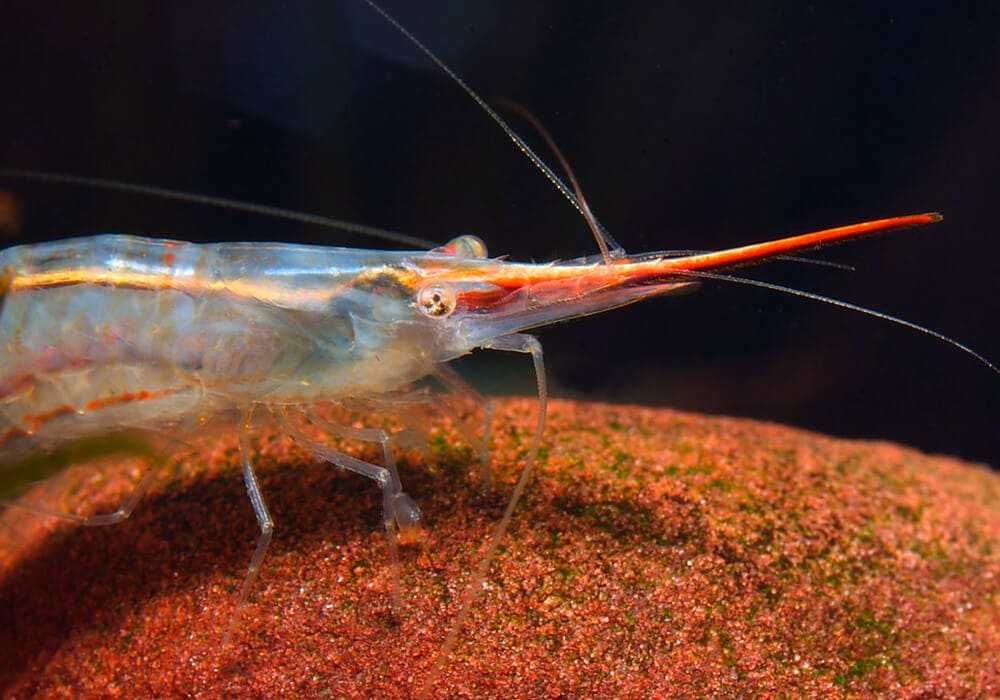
(497, 119)
(601, 235)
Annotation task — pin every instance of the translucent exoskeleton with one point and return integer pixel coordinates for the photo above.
(120, 333)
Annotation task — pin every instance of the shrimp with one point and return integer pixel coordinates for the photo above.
(117, 333)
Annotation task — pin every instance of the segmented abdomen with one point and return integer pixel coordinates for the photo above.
(96, 334)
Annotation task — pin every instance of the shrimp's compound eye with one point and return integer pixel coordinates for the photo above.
(436, 300)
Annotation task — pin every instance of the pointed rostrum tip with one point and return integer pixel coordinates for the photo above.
(934, 216)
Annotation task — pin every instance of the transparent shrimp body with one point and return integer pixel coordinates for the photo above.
(203, 327)
(112, 332)
(243, 322)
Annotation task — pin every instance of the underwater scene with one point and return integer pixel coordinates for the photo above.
(499, 349)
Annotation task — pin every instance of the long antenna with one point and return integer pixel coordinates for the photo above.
(222, 202)
(812, 296)
(511, 134)
(600, 235)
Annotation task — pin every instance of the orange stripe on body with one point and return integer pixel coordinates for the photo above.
(258, 291)
(126, 397)
(33, 422)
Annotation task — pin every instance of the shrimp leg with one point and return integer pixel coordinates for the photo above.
(455, 386)
(375, 435)
(529, 344)
(264, 521)
(399, 512)
(97, 520)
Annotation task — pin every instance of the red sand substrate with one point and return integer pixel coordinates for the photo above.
(657, 554)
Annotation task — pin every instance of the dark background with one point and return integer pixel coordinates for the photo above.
(690, 125)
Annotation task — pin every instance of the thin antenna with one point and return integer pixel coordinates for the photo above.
(603, 238)
(844, 305)
(511, 134)
(221, 202)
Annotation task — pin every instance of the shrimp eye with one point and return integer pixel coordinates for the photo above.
(436, 301)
